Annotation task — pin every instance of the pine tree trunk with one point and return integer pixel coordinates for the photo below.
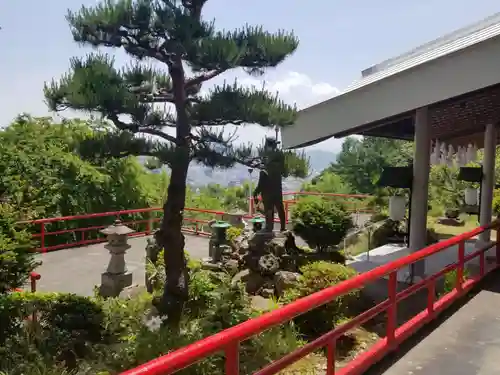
(175, 293)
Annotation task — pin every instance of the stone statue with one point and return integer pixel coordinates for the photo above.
(269, 185)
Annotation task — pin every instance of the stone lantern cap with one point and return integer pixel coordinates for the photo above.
(118, 229)
(221, 224)
(257, 219)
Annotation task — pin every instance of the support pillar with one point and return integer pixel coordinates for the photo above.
(488, 183)
(420, 187)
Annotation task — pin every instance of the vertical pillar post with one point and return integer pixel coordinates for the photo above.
(490, 138)
(420, 187)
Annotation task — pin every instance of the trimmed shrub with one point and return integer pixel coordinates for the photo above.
(321, 223)
(315, 277)
(232, 233)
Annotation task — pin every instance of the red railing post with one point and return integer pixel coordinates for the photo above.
(149, 224)
(286, 211)
(392, 310)
(42, 237)
(431, 289)
(460, 268)
(481, 264)
(330, 357)
(232, 359)
(33, 278)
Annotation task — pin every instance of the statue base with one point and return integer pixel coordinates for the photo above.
(113, 284)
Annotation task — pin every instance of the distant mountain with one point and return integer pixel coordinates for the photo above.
(320, 159)
(200, 175)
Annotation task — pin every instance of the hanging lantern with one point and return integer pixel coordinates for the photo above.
(471, 198)
(443, 154)
(434, 159)
(449, 156)
(397, 208)
(461, 157)
(471, 153)
(474, 152)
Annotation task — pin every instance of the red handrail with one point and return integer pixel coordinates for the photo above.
(194, 225)
(229, 339)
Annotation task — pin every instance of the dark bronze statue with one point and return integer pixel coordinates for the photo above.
(269, 185)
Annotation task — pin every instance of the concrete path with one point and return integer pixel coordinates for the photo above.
(467, 342)
(79, 269)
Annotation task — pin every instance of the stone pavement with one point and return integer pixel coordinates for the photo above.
(79, 269)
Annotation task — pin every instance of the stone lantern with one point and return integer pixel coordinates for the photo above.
(218, 240)
(116, 277)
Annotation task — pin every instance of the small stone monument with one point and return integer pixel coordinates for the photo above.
(116, 277)
(234, 218)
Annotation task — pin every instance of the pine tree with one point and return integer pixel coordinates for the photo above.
(173, 35)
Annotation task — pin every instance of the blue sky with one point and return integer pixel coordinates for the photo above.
(338, 39)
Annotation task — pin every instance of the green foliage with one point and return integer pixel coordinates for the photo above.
(327, 182)
(496, 204)
(321, 223)
(94, 336)
(450, 280)
(232, 233)
(16, 258)
(315, 277)
(446, 191)
(42, 173)
(65, 329)
(361, 161)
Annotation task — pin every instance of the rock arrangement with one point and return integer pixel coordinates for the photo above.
(266, 262)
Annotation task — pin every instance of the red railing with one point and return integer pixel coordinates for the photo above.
(87, 235)
(228, 340)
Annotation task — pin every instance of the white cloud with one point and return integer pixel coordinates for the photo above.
(293, 88)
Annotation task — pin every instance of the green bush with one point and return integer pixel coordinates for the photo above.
(225, 305)
(232, 233)
(321, 223)
(450, 280)
(315, 277)
(16, 256)
(65, 329)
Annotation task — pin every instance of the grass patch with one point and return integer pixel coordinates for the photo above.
(447, 231)
(358, 246)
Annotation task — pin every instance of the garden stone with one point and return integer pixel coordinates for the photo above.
(452, 222)
(284, 280)
(269, 264)
(267, 292)
(252, 280)
(133, 291)
(231, 266)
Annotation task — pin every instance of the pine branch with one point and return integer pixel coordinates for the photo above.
(167, 28)
(232, 104)
(94, 85)
(112, 144)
